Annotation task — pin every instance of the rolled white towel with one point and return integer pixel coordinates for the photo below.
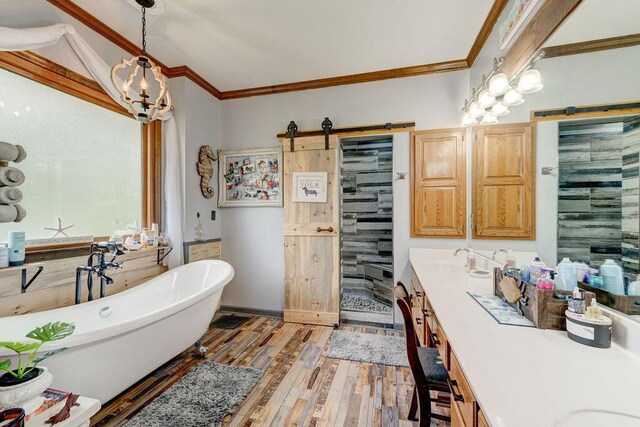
(10, 195)
(12, 213)
(11, 177)
(11, 152)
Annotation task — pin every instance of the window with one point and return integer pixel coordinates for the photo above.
(84, 162)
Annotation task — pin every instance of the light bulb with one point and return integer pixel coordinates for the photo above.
(530, 81)
(467, 120)
(512, 98)
(489, 119)
(143, 84)
(475, 111)
(499, 84)
(500, 110)
(485, 100)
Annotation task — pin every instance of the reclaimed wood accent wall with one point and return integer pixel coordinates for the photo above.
(55, 287)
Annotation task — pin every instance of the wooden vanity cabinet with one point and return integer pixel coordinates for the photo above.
(465, 411)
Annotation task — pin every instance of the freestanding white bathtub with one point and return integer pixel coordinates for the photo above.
(121, 338)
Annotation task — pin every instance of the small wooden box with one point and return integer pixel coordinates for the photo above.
(545, 308)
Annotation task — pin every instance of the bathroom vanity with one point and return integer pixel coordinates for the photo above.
(514, 376)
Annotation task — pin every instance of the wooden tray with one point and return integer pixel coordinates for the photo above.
(545, 308)
(624, 303)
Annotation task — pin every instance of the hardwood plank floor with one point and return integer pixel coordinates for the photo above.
(300, 385)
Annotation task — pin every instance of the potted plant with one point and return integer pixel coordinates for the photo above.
(21, 386)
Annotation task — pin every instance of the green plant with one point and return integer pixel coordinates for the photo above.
(42, 334)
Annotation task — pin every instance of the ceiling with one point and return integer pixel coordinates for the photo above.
(598, 19)
(237, 44)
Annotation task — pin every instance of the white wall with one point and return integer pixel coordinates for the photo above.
(253, 238)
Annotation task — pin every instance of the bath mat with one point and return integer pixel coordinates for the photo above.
(371, 348)
(203, 397)
(229, 321)
(502, 312)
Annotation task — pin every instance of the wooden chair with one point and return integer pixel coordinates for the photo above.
(429, 373)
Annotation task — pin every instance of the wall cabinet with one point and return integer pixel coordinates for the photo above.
(438, 176)
(503, 199)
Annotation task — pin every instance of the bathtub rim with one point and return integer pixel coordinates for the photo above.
(130, 325)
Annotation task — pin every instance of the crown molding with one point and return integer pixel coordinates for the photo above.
(592, 46)
(75, 11)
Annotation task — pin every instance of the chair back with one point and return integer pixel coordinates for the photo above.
(402, 299)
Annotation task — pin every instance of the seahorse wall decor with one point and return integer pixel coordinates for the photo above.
(206, 156)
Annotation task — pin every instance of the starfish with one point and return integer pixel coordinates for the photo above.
(59, 230)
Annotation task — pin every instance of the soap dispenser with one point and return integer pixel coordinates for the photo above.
(511, 259)
(612, 277)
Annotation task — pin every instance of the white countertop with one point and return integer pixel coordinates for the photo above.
(523, 376)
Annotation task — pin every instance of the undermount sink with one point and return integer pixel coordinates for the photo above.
(597, 418)
(480, 274)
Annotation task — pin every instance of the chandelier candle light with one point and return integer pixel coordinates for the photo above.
(144, 88)
(497, 93)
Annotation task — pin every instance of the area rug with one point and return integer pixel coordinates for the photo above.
(229, 321)
(371, 348)
(203, 397)
(357, 300)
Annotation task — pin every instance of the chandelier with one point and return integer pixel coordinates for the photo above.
(140, 82)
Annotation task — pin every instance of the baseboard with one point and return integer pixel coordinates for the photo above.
(254, 311)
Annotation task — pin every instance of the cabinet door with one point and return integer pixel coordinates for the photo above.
(504, 182)
(438, 176)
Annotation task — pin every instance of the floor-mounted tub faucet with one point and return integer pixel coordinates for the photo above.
(98, 250)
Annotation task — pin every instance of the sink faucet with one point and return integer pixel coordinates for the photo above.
(98, 250)
(497, 251)
(470, 263)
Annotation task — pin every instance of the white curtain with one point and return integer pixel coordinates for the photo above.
(15, 39)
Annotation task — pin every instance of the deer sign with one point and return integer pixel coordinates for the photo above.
(205, 169)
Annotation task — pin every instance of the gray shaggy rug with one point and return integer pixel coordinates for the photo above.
(203, 397)
(371, 348)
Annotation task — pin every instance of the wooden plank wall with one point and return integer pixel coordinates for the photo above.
(55, 287)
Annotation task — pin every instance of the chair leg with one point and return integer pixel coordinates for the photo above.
(413, 410)
(425, 407)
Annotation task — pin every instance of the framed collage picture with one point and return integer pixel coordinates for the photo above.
(250, 178)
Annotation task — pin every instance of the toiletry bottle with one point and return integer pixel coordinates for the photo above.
(11, 177)
(594, 311)
(576, 301)
(567, 270)
(524, 273)
(4, 256)
(634, 287)
(612, 277)
(535, 269)
(581, 270)
(143, 240)
(511, 259)
(471, 262)
(17, 244)
(152, 238)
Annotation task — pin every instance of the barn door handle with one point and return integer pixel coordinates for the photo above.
(320, 229)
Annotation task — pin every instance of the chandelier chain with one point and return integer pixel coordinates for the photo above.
(144, 30)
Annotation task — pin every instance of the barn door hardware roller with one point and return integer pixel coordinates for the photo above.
(292, 130)
(326, 128)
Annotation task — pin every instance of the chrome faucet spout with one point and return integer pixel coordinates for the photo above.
(457, 251)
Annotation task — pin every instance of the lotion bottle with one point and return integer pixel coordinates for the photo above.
(17, 244)
(612, 277)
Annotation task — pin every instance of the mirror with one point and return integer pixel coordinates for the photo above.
(587, 160)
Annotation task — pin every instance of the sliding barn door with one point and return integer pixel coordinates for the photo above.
(311, 232)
